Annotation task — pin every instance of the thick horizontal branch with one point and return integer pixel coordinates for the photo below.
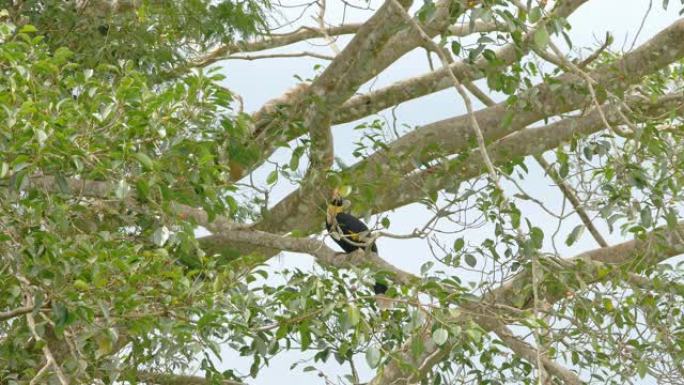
(405, 90)
(325, 94)
(307, 33)
(274, 41)
(566, 93)
(531, 141)
(386, 45)
(274, 243)
(5, 315)
(415, 186)
(280, 55)
(453, 136)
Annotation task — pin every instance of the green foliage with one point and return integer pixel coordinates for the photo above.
(106, 274)
(154, 36)
(104, 133)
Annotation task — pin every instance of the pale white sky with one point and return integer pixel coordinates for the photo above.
(259, 81)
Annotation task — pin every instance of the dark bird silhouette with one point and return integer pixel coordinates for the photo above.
(351, 234)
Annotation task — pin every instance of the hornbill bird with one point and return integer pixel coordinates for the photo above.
(354, 235)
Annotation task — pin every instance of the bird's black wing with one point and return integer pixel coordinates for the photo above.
(355, 230)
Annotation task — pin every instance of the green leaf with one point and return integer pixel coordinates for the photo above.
(459, 244)
(455, 47)
(254, 368)
(608, 304)
(4, 170)
(424, 268)
(642, 368)
(564, 169)
(417, 347)
(272, 177)
(62, 54)
(305, 335)
(373, 356)
(294, 161)
(474, 334)
(81, 285)
(515, 217)
(574, 235)
(537, 237)
(646, 217)
(385, 222)
(440, 336)
(105, 342)
(535, 14)
(671, 218)
(28, 28)
(541, 38)
(470, 260)
(104, 346)
(144, 160)
(353, 315)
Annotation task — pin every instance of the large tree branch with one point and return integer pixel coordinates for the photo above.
(566, 93)
(374, 47)
(528, 352)
(274, 41)
(273, 243)
(335, 85)
(589, 266)
(307, 33)
(414, 187)
(405, 90)
(571, 195)
(531, 141)
(9, 314)
(454, 136)
(342, 77)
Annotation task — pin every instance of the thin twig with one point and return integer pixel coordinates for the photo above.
(279, 55)
(15, 312)
(49, 357)
(323, 30)
(541, 379)
(584, 63)
(447, 61)
(572, 197)
(560, 60)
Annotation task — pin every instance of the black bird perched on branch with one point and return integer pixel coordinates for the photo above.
(351, 234)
